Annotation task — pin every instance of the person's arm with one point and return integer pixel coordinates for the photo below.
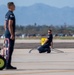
(46, 41)
(5, 25)
(52, 42)
(10, 27)
(51, 45)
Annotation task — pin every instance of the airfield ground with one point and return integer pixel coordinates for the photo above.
(55, 63)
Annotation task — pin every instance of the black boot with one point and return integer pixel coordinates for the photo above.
(10, 67)
(49, 50)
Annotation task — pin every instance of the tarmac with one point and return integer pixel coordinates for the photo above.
(59, 62)
(38, 41)
(55, 63)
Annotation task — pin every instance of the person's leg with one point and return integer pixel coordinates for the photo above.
(41, 49)
(49, 50)
(11, 48)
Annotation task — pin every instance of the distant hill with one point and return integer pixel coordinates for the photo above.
(41, 14)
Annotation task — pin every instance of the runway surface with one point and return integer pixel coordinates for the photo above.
(42, 64)
(28, 44)
(59, 62)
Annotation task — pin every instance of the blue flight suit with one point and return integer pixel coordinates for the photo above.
(10, 16)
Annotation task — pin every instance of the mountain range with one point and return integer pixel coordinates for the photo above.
(40, 14)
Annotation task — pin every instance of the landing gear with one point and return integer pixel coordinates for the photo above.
(2, 62)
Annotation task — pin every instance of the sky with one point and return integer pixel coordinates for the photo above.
(55, 3)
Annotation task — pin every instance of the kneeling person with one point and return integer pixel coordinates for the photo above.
(46, 47)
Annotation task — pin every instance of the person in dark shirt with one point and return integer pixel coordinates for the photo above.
(10, 32)
(48, 43)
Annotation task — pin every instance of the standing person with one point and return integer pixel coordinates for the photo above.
(10, 32)
(46, 47)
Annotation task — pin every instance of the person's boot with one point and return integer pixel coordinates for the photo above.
(10, 68)
(49, 50)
